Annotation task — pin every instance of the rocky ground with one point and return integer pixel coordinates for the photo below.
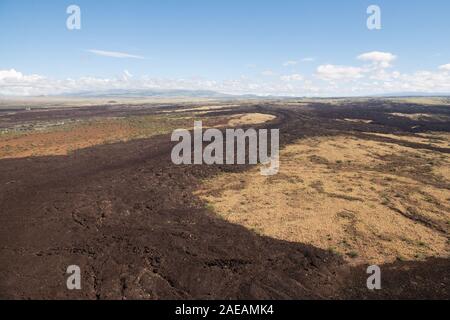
(138, 228)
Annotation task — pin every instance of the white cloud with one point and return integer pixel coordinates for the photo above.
(296, 62)
(13, 75)
(113, 54)
(378, 58)
(337, 80)
(331, 72)
(383, 75)
(126, 75)
(290, 63)
(292, 77)
(13, 82)
(445, 67)
(268, 73)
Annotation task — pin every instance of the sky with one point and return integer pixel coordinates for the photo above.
(283, 47)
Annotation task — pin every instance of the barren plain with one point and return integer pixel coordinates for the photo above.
(362, 182)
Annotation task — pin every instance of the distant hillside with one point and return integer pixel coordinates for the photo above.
(413, 94)
(121, 93)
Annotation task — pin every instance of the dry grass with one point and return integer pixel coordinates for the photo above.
(440, 140)
(250, 119)
(63, 137)
(203, 109)
(369, 201)
(66, 102)
(66, 137)
(359, 121)
(422, 116)
(431, 101)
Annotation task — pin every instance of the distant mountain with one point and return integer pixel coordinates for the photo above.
(184, 93)
(123, 93)
(413, 94)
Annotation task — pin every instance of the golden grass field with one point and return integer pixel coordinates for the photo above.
(347, 194)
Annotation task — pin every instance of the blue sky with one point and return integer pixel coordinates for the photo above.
(236, 46)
